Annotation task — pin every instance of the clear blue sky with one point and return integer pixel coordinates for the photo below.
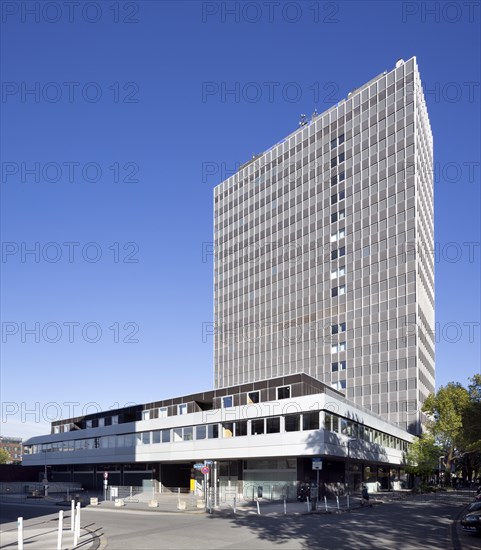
(149, 96)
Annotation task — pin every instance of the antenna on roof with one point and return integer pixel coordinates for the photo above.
(303, 120)
(315, 114)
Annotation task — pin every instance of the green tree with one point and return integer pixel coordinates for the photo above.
(446, 409)
(5, 457)
(423, 456)
(472, 416)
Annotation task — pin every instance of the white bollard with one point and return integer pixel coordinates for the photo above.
(258, 508)
(78, 520)
(60, 530)
(348, 502)
(72, 515)
(285, 506)
(20, 533)
(308, 504)
(325, 502)
(234, 505)
(76, 533)
(337, 499)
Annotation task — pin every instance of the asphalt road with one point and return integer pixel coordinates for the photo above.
(406, 525)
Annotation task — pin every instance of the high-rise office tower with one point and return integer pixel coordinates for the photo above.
(324, 258)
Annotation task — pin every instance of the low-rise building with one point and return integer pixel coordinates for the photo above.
(13, 445)
(262, 434)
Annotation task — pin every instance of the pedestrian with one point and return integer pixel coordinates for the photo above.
(365, 496)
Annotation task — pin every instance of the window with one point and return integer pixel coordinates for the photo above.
(338, 197)
(178, 434)
(338, 291)
(335, 348)
(335, 329)
(115, 419)
(310, 421)
(340, 139)
(227, 429)
(253, 397)
(88, 423)
(338, 365)
(342, 176)
(334, 143)
(333, 180)
(340, 158)
(156, 436)
(341, 385)
(101, 422)
(240, 428)
(338, 216)
(227, 401)
(365, 251)
(338, 235)
(188, 433)
(257, 426)
(200, 432)
(56, 429)
(333, 162)
(163, 412)
(145, 438)
(182, 408)
(338, 272)
(273, 425)
(292, 422)
(145, 415)
(284, 392)
(213, 431)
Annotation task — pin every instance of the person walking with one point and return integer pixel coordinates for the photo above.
(365, 496)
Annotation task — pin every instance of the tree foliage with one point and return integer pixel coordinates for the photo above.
(454, 423)
(472, 416)
(5, 457)
(423, 456)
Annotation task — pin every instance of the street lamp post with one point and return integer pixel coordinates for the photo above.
(45, 479)
(348, 469)
(45, 466)
(439, 469)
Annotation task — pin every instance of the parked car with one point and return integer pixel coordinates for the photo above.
(472, 522)
(474, 507)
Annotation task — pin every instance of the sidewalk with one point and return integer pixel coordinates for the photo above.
(43, 536)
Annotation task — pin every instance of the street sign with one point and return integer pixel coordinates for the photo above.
(205, 470)
(106, 475)
(198, 466)
(317, 463)
(208, 462)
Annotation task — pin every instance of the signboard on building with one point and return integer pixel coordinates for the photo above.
(317, 463)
